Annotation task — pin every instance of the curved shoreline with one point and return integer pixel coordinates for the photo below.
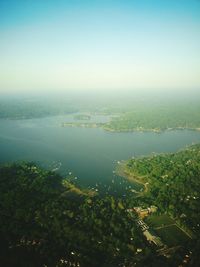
(122, 171)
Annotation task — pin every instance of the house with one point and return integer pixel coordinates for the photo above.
(142, 213)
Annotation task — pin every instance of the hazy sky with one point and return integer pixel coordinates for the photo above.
(71, 44)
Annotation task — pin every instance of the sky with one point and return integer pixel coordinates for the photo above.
(57, 45)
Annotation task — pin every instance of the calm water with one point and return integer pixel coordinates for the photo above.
(90, 154)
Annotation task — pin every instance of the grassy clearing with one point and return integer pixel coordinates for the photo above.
(166, 228)
(172, 236)
(159, 221)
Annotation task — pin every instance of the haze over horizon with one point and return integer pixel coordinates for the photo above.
(49, 46)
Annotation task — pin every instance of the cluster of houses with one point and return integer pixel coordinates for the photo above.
(142, 213)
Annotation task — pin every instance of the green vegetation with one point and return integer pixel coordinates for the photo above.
(28, 109)
(173, 186)
(134, 114)
(167, 229)
(172, 236)
(157, 118)
(45, 220)
(82, 124)
(173, 183)
(159, 220)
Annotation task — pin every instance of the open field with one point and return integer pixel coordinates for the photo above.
(172, 236)
(159, 221)
(166, 228)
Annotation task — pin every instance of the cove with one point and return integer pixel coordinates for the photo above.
(91, 155)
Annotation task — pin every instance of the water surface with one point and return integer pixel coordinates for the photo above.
(89, 154)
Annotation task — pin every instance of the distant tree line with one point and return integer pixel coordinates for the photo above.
(157, 118)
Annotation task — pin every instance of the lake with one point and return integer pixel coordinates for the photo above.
(91, 155)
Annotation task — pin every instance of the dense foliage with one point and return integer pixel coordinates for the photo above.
(173, 185)
(45, 221)
(158, 118)
(174, 182)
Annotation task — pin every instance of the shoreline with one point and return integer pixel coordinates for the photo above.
(122, 171)
(138, 130)
(154, 130)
